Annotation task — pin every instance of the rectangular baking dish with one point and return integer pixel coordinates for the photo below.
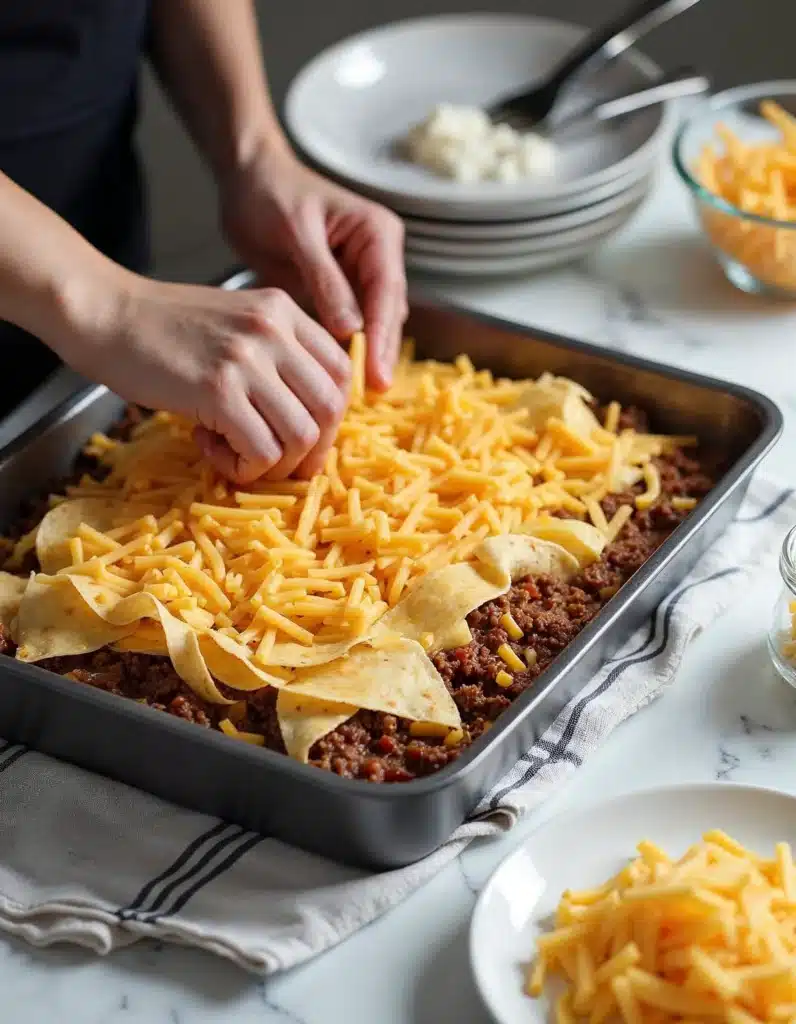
(366, 824)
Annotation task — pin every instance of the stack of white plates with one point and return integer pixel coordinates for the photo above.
(348, 107)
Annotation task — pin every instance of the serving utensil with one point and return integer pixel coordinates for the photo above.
(534, 105)
(677, 85)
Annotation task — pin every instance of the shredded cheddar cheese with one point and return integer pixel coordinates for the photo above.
(418, 478)
(705, 937)
(230, 729)
(426, 730)
(758, 177)
(512, 660)
(454, 737)
(509, 623)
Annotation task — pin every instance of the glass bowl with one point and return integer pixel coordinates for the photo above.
(757, 253)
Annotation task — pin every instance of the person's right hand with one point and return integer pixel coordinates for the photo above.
(266, 384)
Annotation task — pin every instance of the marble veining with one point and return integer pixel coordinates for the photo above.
(469, 880)
(652, 291)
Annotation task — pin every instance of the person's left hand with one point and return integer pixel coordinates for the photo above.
(346, 251)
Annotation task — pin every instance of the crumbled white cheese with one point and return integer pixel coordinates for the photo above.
(462, 143)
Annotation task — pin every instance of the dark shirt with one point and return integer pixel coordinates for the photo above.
(68, 104)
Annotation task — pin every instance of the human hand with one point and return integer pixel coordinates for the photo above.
(265, 383)
(347, 250)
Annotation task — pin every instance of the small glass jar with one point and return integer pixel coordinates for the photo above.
(782, 635)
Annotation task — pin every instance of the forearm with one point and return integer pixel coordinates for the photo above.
(51, 279)
(208, 56)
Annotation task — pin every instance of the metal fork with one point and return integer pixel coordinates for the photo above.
(532, 106)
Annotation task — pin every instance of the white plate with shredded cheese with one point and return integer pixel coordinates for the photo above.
(605, 877)
(352, 109)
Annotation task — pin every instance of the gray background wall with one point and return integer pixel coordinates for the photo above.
(732, 40)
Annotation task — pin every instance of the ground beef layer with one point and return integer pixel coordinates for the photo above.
(378, 747)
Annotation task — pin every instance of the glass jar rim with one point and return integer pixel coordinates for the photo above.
(787, 560)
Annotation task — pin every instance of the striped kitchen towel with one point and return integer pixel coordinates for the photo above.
(93, 862)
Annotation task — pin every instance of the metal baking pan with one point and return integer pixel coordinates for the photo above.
(361, 823)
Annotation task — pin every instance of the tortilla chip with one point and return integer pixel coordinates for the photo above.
(232, 663)
(289, 655)
(11, 590)
(439, 602)
(372, 677)
(582, 540)
(305, 720)
(557, 397)
(68, 615)
(55, 620)
(62, 523)
(148, 638)
(388, 671)
(22, 549)
(458, 635)
(515, 556)
(399, 681)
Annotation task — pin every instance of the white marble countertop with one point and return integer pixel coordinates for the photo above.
(653, 291)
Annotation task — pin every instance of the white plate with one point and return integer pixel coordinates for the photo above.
(503, 266)
(585, 848)
(514, 211)
(478, 249)
(417, 227)
(496, 266)
(347, 107)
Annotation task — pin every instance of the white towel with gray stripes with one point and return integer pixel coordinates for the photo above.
(93, 862)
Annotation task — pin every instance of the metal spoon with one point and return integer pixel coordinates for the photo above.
(679, 84)
(532, 106)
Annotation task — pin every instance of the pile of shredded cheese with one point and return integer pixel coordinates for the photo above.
(418, 478)
(706, 937)
(755, 177)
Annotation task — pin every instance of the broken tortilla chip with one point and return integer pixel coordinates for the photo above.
(558, 398)
(64, 521)
(22, 548)
(439, 602)
(514, 556)
(148, 638)
(304, 720)
(400, 680)
(436, 606)
(68, 615)
(11, 590)
(56, 620)
(388, 670)
(298, 656)
(582, 540)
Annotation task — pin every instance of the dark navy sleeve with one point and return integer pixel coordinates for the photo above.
(68, 105)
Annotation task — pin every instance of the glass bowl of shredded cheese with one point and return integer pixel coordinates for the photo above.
(737, 156)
